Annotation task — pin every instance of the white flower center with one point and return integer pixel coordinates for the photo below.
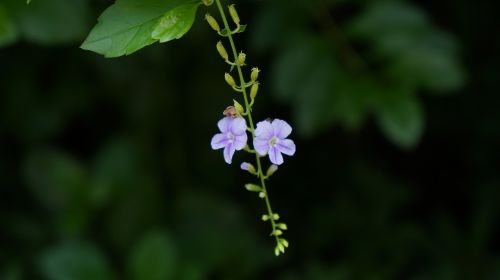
(230, 137)
(273, 141)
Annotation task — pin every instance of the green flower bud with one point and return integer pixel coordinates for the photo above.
(270, 171)
(253, 188)
(282, 226)
(212, 22)
(262, 195)
(277, 251)
(241, 58)
(229, 80)
(254, 90)
(284, 242)
(275, 217)
(265, 217)
(239, 109)
(255, 74)
(208, 2)
(281, 248)
(277, 232)
(222, 51)
(234, 14)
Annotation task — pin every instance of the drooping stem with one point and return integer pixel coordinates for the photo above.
(249, 117)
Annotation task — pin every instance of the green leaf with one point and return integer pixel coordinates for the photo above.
(153, 258)
(175, 23)
(128, 25)
(8, 31)
(74, 262)
(400, 116)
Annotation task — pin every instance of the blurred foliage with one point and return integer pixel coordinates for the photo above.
(106, 170)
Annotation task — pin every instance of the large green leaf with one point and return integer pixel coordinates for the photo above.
(128, 25)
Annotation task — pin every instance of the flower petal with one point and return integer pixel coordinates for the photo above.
(240, 141)
(219, 141)
(275, 156)
(225, 124)
(238, 126)
(281, 129)
(264, 130)
(228, 153)
(261, 146)
(286, 146)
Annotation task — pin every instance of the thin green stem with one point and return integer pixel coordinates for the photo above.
(249, 116)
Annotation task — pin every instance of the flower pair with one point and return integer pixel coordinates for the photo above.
(270, 138)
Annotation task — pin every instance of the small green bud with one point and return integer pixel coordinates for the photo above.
(239, 108)
(208, 2)
(275, 217)
(212, 22)
(277, 251)
(253, 188)
(229, 80)
(241, 58)
(284, 242)
(222, 51)
(270, 171)
(262, 195)
(282, 226)
(281, 248)
(277, 232)
(254, 89)
(234, 14)
(265, 217)
(254, 74)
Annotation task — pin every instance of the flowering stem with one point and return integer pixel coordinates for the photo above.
(260, 173)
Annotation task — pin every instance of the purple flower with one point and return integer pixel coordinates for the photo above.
(233, 136)
(271, 138)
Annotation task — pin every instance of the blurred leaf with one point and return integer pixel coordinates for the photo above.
(74, 261)
(8, 31)
(51, 21)
(128, 25)
(400, 116)
(153, 258)
(175, 23)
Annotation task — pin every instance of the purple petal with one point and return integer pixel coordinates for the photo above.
(275, 156)
(286, 146)
(219, 141)
(261, 146)
(228, 153)
(281, 128)
(240, 141)
(264, 130)
(245, 166)
(238, 126)
(225, 124)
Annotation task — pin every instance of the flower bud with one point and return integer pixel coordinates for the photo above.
(277, 232)
(262, 195)
(281, 247)
(208, 2)
(248, 167)
(254, 90)
(229, 80)
(255, 74)
(212, 22)
(241, 58)
(222, 51)
(265, 217)
(284, 242)
(253, 188)
(238, 107)
(275, 217)
(282, 226)
(234, 14)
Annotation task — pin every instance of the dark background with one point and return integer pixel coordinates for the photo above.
(106, 171)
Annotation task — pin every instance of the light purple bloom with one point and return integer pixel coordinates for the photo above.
(233, 136)
(270, 138)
